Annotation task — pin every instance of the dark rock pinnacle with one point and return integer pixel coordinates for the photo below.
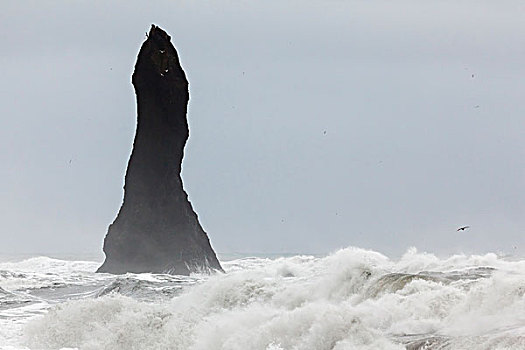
(156, 229)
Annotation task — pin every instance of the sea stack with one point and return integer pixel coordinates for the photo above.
(156, 229)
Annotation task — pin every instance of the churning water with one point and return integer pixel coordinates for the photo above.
(352, 299)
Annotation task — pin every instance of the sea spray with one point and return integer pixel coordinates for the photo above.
(352, 299)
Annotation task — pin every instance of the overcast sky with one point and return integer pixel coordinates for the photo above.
(314, 125)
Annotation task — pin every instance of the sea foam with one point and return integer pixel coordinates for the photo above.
(352, 299)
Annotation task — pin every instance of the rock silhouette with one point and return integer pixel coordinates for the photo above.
(156, 229)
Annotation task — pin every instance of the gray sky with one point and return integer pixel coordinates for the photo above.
(314, 125)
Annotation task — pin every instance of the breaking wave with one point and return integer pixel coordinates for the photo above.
(352, 299)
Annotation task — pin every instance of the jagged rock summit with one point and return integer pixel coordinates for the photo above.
(156, 229)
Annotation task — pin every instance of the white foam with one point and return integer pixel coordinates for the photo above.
(352, 299)
(40, 272)
(49, 265)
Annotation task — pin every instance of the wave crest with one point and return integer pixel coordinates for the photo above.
(352, 299)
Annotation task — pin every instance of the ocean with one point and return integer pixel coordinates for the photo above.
(350, 299)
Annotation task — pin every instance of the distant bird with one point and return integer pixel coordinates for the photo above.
(463, 228)
(324, 132)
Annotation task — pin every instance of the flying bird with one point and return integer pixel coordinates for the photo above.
(463, 228)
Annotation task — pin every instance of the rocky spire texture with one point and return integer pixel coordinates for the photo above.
(156, 229)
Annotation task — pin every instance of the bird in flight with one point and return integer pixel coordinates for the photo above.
(463, 228)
